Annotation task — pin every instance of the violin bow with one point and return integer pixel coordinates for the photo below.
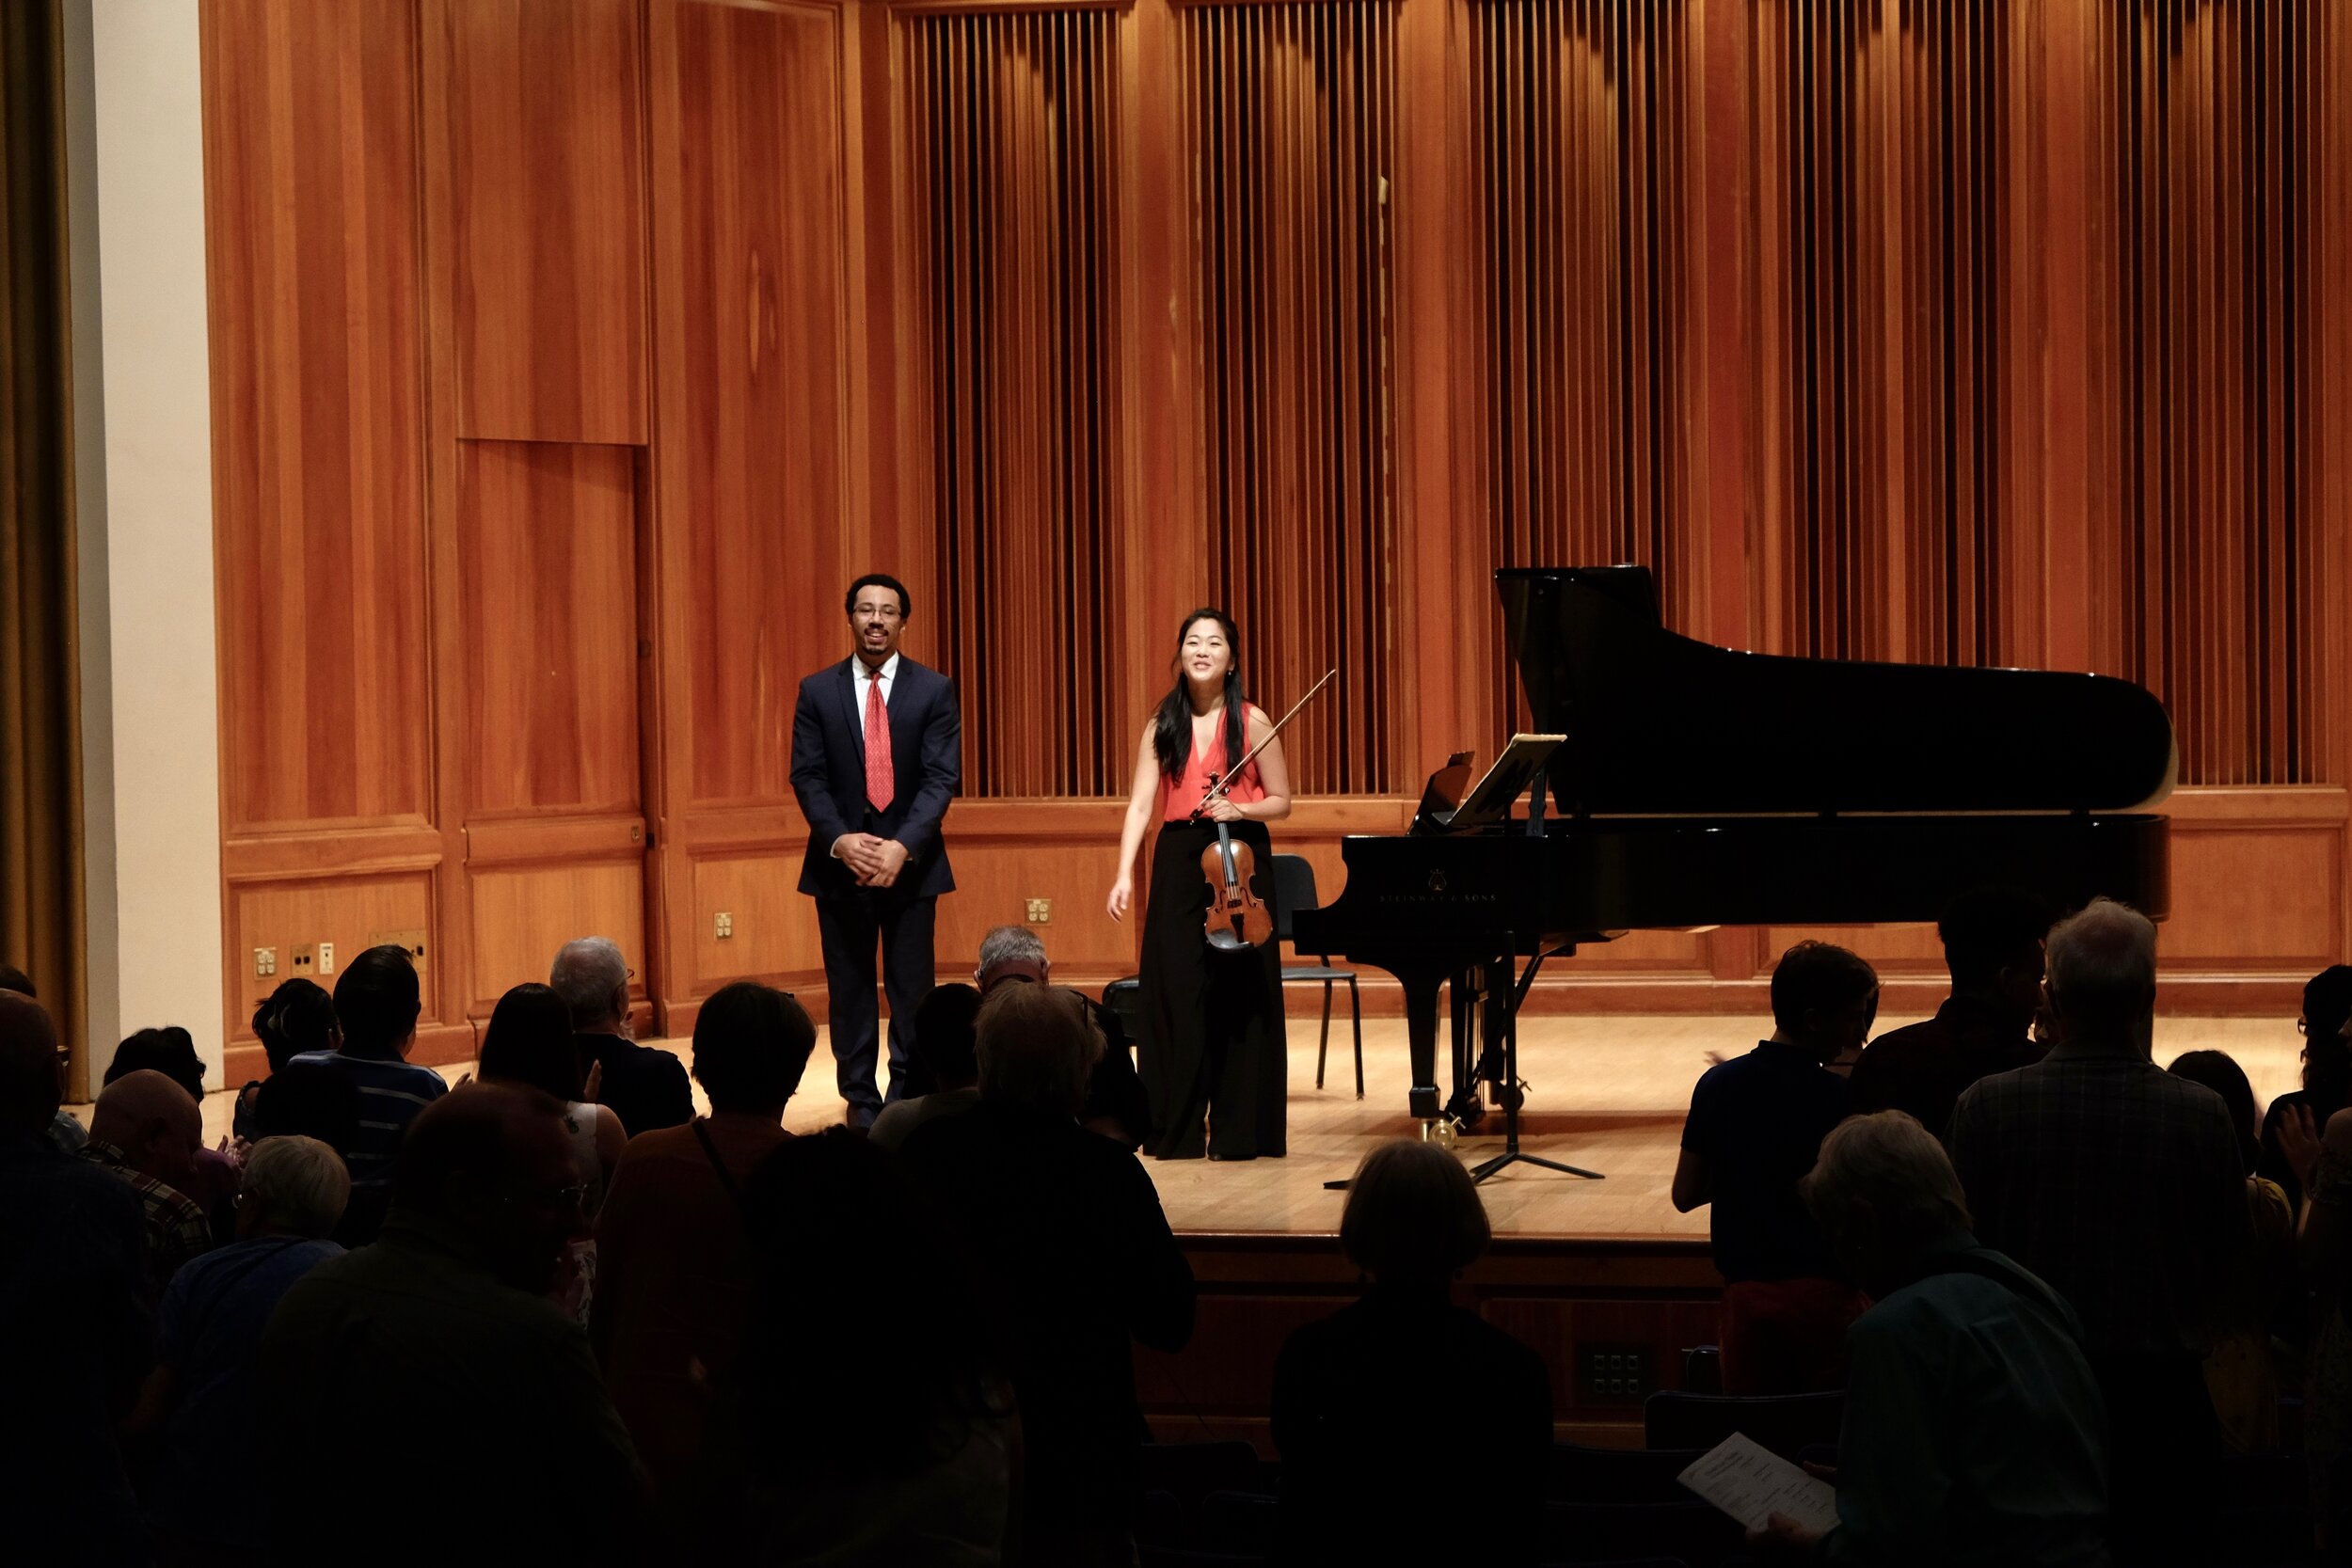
(1234, 772)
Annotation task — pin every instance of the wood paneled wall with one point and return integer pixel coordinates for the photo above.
(572, 355)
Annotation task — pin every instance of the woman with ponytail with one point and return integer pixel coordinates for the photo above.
(1213, 1052)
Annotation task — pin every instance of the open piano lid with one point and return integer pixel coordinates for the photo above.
(1659, 725)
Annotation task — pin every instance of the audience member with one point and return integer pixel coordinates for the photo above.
(2323, 1168)
(1011, 953)
(297, 1019)
(1756, 1124)
(2241, 1373)
(170, 1050)
(941, 1058)
(73, 1276)
(2326, 1087)
(1993, 949)
(66, 1133)
(213, 1178)
(378, 1002)
(643, 1086)
(1117, 1106)
(2125, 1188)
(912, 1463)
(1350, 1446)
(1974, 1428)
(437, 1341)
(673, 1256)
(146, 1130)
(198, 1403)
(529, 1043)
(1076, 1262)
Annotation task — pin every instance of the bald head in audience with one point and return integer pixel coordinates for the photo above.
(155, 1124)
(2103, 978)
(491, 1168)
(31, 1082)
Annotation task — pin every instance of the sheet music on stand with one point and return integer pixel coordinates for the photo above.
(1491, 798)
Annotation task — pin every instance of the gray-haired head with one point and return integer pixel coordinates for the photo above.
(1882, 1189)
(1011, 951)
(592, 977)
(293, 1187)
(2103, 976)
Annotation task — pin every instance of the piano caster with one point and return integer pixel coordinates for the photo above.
(1444, 1132)
(1513, 1097)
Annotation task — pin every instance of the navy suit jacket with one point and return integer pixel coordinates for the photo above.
(829, 775)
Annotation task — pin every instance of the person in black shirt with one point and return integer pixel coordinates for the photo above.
(1350, 1446)
(1755, 1125)
(643, 1086)
(1993, 949)
(1075, 1263)
(2327, 1072)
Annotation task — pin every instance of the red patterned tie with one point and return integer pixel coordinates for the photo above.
(879, 790)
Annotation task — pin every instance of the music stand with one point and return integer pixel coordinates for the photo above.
(1507, 1086)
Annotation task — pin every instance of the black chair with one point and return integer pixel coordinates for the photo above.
(1294, 891)
(1785, 1423)
(1691, 1533)
(1239, 1524)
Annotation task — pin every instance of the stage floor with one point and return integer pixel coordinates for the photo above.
(1605, 1093)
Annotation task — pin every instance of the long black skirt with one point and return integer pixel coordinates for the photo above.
(1214, 1055)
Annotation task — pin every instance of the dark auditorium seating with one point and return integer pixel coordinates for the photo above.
(1786, 1424)
(1240, 1524)
(1582, 1474)
(1693, 1534)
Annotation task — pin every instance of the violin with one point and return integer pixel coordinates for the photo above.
(1238, 919)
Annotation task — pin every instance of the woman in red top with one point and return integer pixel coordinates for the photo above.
(1213, 1055)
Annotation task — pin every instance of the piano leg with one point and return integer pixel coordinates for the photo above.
(1420, 1035)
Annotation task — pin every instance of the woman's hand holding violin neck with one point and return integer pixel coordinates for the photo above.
(1221, 809)
(1122, 896)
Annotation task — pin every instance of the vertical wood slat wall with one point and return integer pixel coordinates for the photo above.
(2221, 585)
(2001, 332)
(1010, 142)
(1289, 122)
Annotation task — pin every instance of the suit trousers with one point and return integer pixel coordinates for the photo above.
(849, 930)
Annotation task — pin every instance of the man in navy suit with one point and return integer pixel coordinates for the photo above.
(877, 753)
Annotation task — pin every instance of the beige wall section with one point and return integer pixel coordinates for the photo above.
(144, 522)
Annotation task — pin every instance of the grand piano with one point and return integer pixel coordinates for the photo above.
(1698, 786)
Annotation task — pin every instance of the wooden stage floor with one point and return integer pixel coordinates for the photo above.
(1605, 1093)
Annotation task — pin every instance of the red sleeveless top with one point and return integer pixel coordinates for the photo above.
(1178, 796)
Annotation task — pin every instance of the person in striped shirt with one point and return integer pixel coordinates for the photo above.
(378, 1001)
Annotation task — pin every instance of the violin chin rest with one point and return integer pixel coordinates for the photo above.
(1228, 942)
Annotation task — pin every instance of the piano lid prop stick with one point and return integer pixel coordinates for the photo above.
(1250, 755)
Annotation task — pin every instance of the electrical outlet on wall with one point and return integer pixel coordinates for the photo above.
(305, 959)
(1615, 1374)
(723, 926)
(264, 962)
(1041, 912)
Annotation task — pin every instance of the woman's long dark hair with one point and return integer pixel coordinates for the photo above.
(529, 1040)
(1171, 729)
